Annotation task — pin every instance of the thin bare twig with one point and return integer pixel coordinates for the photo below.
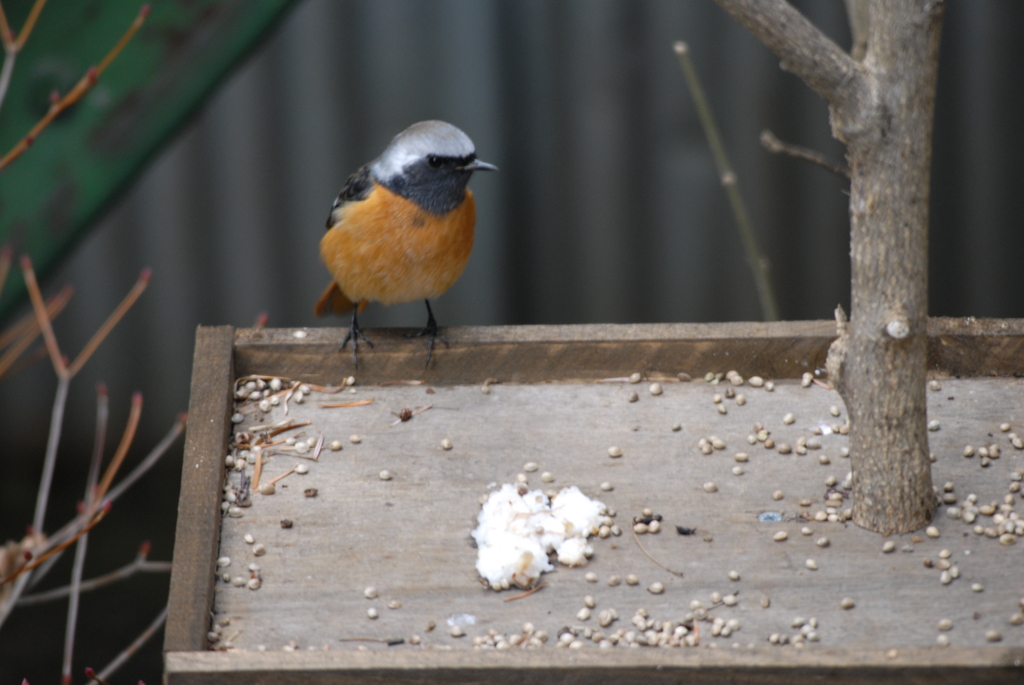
(83, 86)
(102, 413)
(122, 448)
(154, 456)
(758, 264)
(135, 646)
(108, 325)
(773, 144)
(50, 458)
(29, 274)
(636, 539)
(22, 334)
(29, 24)
(138, 565)
(59, 548)
(6, 253)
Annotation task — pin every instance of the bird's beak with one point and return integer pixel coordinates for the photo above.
(477, 165)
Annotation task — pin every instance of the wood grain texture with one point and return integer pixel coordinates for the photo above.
(198, 530)
(924, 666)
(531, 354)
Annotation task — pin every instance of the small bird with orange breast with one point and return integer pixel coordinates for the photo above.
(402, 227)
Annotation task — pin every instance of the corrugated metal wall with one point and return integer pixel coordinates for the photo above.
(606, 209)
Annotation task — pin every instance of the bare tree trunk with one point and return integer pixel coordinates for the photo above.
(882, 109)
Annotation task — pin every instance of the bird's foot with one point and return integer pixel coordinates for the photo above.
(354, 333)
(430, 330)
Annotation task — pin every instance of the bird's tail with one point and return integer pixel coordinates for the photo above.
(333, 301)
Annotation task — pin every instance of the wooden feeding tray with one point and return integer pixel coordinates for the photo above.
(499, 398)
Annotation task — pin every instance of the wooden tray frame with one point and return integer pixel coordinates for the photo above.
(532, 354)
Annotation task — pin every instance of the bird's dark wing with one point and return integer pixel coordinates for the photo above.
(357, 187)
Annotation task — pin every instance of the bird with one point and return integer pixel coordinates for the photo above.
(401, 229)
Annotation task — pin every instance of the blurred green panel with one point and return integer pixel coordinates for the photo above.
(62, 184)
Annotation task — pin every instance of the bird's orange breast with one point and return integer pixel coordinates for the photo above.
(389, 249)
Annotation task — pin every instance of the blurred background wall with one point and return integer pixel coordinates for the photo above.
(607, 209)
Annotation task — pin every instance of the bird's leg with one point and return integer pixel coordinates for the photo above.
(354, 334)
(431, 330)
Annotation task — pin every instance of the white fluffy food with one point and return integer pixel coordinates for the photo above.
(515, 534)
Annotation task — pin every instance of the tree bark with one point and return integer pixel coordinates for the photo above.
(881, 108)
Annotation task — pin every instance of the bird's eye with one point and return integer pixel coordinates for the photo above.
(434, 161)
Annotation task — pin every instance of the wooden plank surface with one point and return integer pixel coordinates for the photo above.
(529, 354)
(927, 666)
(198, 529)
(410, 536)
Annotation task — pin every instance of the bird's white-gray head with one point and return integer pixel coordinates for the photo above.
(429, 163)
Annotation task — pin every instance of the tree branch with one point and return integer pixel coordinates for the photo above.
(803, 49)
(859, 15)
(773, 144)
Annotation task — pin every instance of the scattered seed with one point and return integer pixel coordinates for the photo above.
(722, 409)
(756, 381)
(823, 541)
(741, 457)
(372, 613)
(784, 448)
(977, 587)
(395, 604)
(806, 380)
(1016, 619)
(614, 580)
(717, 442)
(934, 425)
(993, 635)
(614, 452)
(734, 575)
(656, 588)
(932, 532)
(590, 577)
(710, 487)
(811, 564)
(766, 601)
(530, 466)
(259, 549)
(632, 579)
(385, 475)
(355, 439)
(737, 470)
(806, 531)
(654, 527)
(655, 388)
(254, 583)
(847, 603)
(777, 495)
(301, 469)
(788, 418)
(769, 386)
(780, 536)
(606, 486)
(632, 396)
(456, 631)
(547, 477)
(249, 539)
(446, 444)
(825, 461)
(335, 445)
(676, 427)
(833, 410)
(1004, 427)
(583, 614)
(945, 624)
(635, 377)
(267, 489)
